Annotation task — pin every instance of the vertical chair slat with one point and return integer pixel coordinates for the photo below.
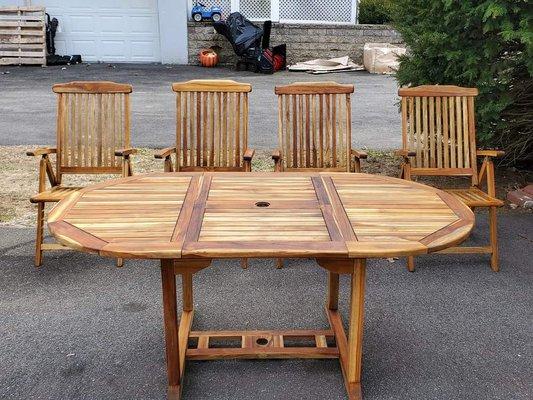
(328, 130)
(178, 130)
(418, 131)
(204, 127)
(224, 129)
(294, 134)
(405, 142)
(412, 143)
(301, 129)
(212, 112)
(334, 132)
(446, 132)
(184, 131)
(424, 133)
(439, 138)
(288, 139)
(245, 122)
(349, 133)
(459, 130)
(340, 130)
(281, 137)
(238, 145)
(466, 138)
(308, 154)
(431, 123)
(453, 133)
(472, 138)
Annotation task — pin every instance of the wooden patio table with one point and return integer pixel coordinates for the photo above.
(188, 219)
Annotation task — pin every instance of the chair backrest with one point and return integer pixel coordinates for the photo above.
(314, 126)
(93, 120)
(211, 124)
(438, 123)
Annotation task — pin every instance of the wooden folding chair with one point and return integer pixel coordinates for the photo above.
(315, 129)
(439, 139)
(211, 128)
(93, 130)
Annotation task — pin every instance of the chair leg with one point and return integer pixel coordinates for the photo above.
(119, 262)
(244, 263)
(494, 257)
(39, 235)
(279, 263)
(411, 264)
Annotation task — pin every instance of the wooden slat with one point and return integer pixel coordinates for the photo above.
(453, 133)
(418, 132)
(424, 134)
(437, 90)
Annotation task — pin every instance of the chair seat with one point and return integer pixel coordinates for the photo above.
(55, 194)
(474, 197)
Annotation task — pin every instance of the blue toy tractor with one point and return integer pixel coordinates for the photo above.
(200, 13)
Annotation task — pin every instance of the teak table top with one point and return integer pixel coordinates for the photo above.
(228, 215)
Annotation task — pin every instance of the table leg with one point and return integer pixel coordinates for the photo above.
(333, 291)
(170, 316)
(355, 331)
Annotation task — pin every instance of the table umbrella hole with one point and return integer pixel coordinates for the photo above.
(262, 204)
(262, 341)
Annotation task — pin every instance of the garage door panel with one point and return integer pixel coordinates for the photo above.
(113, 24)
(142, 50)
(143, 5)
(77, 24)
(86, 47)
(107, 30)
(61, 47)
(142, 24)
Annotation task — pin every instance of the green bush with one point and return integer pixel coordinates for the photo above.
(375, 11)
(484, 44)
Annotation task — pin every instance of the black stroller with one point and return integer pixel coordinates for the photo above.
(251, 43)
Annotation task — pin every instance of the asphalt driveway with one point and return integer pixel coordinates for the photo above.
(27, 104)
(79, 328)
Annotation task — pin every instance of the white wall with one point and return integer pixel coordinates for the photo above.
(173, 31)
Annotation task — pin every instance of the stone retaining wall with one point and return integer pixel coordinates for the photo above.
(304, 41)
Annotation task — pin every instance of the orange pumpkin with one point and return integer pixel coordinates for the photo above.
(208, 58)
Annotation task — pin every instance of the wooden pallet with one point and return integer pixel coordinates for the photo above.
(22, 36)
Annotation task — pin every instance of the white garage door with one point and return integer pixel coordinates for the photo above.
(107, 30)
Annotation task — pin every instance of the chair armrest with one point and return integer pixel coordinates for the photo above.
(276, 155)
(164, 153)
(248, 154)
(41, 151)
(359, 154)
(125, 152)
(405, 153)
(490, 153)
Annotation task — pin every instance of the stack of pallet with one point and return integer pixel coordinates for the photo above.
(22, 36)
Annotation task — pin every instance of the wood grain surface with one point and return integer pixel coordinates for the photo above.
(227, 215)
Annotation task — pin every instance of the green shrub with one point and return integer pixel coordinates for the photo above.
(375, 11)
(484, 44)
